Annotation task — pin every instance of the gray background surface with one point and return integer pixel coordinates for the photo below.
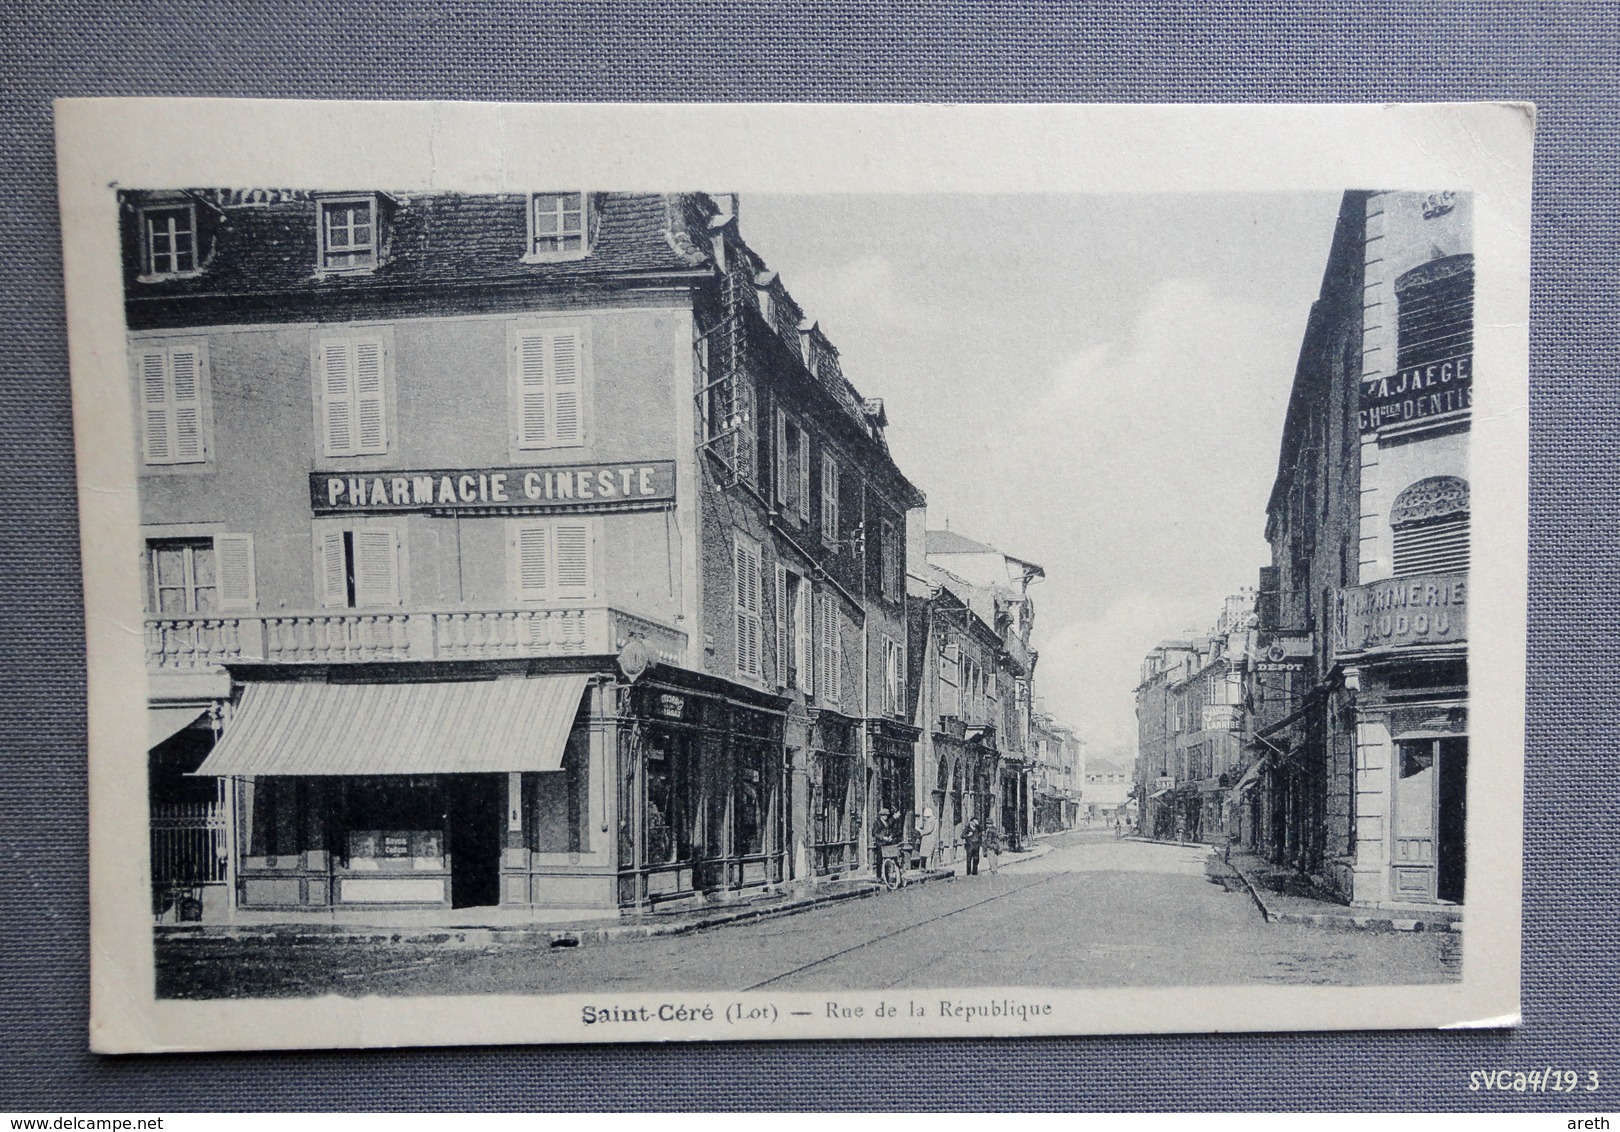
(1561, 56)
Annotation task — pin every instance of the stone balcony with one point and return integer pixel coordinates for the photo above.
(349, 636)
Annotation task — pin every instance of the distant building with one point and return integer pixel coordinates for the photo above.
(975, 672)
(1056, 780)
(1194, 716)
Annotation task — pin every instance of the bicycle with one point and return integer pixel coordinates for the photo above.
(891, 866)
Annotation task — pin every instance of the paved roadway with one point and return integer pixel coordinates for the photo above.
(1093, 912)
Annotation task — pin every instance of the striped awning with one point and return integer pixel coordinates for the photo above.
(445, 728)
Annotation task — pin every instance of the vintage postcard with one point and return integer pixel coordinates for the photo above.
(566, 573)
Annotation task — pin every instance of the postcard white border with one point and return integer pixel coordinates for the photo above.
(1484, 148)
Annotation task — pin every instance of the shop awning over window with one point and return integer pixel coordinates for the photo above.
(455, 728)
(1250, 777)
(1160, 793)
(164, 722)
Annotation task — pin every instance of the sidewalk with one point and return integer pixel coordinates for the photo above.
(474, 934)
(1286, 897)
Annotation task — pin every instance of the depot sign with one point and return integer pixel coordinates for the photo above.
(571, 487)
(1426, 609)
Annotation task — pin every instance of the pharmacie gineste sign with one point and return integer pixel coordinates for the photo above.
(573, 487)
(1425, 609)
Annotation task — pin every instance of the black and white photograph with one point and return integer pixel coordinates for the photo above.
(658, 600)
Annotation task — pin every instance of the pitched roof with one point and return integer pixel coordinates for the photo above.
(949, 542)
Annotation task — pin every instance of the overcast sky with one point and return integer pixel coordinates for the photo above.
(1094, 383)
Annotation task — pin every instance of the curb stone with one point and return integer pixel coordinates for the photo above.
(1341, 920)
(558, 938)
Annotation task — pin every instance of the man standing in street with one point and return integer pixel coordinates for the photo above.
(972, 838)
(992, 847)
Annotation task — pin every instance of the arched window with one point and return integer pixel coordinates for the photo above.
(1436, 312)
(1430, 521)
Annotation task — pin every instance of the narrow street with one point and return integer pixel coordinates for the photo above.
(1092, 912)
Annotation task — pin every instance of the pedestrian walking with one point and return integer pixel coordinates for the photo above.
(927, 829)
(972, 839)
(1119, 829)
(992, 847)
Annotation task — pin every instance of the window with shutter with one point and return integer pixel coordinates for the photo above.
(747, 607)
(183, 576)
(548, 387)
(172, 381)
(782, 613)
(233, 568)
(780, 486)
(354, 397)
(552, 559)
(532, 547)
(831, 649)
(830, 532)
(357, 567)
(803, 632)
(332, 575)
(573, 558)
(818, 633)
(376, 568)
(949, 681)
(804, 477)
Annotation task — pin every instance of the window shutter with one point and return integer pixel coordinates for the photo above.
(806, 657)
(331, 568)
(781, 477)
(829, 498)
(370, 413)
(155, 412)
(534, 417)
(565, 386)
(832, 677)
(531, 546)
(337, 399)
(376, 568)
(572, 542)
(233, 568)
(747, 609)
(804, 476)
(818, 634)
(782, 612)
(185, 367)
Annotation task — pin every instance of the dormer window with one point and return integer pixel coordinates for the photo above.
(169, 241)
(559, 227)
(348, 233)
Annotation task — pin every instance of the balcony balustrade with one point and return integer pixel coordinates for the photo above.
(351, 636)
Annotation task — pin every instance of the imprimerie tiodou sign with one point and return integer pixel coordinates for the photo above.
(557, 487)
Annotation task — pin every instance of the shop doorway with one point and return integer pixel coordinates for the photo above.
(475, 810)
(1451, 820)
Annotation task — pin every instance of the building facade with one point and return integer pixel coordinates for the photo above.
(1194, 719)
(521, 551)
(1059, 774)
(1365, 721)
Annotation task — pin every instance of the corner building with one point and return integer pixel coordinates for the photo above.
(523, 552)
(1364, 715)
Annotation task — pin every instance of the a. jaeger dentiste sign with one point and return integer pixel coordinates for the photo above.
(574, 487)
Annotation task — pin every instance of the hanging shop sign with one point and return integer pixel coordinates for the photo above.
(1284, 654)
(1418, 392)
(1425, 609)
(570, 487)
(1222, 717)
